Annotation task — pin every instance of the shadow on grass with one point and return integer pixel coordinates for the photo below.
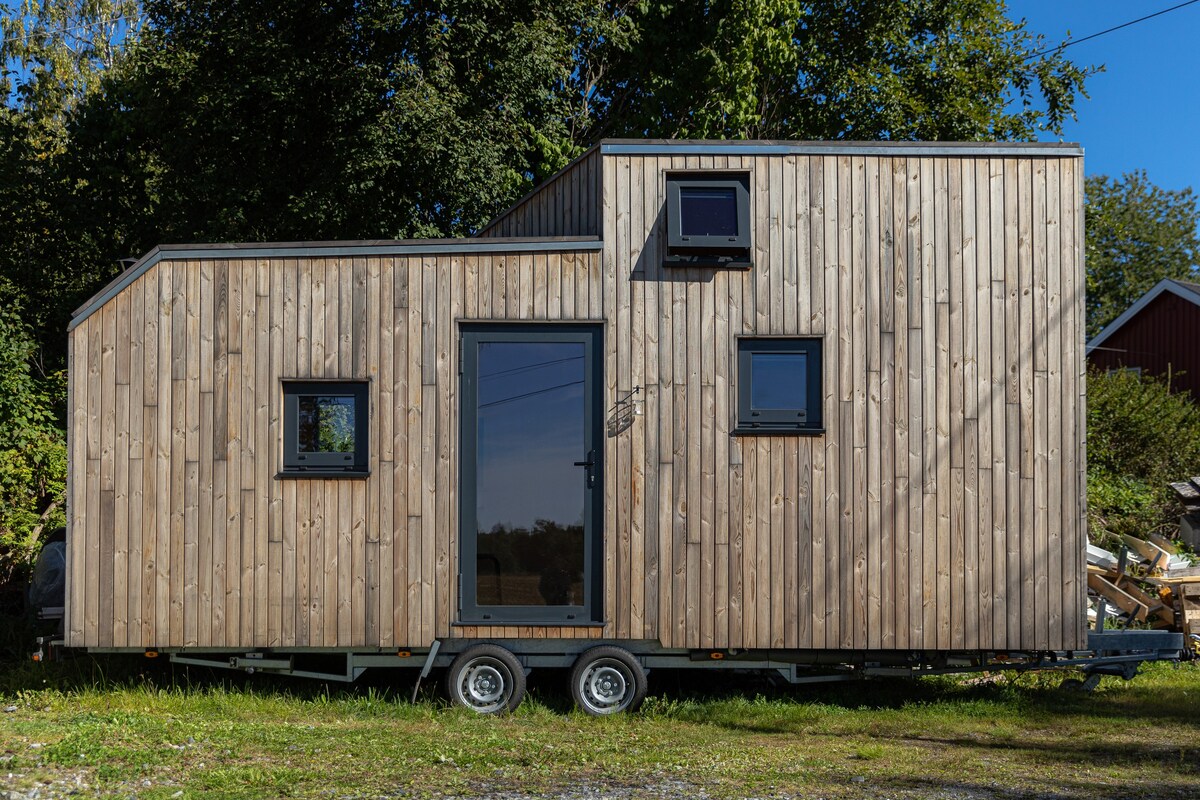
(1182, 758)
(82, 672)
(1060, 787)
(694, 694)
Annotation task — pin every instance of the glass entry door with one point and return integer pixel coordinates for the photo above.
(531, 473)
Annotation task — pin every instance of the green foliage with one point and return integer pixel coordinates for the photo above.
(32, 450)
(1137, 234)
(58, 49)
(363, 119)
(1120, 504)
(50, 257)
(55, 53)
(836, 69)
(1140, 437)
(319, 120)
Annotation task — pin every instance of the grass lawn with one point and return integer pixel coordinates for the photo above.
(74, 730)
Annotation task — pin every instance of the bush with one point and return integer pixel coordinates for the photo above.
(33, 453)
(1140, 437)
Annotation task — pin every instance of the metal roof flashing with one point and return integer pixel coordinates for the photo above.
(859, 148)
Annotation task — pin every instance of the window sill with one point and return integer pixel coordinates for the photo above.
(705, 261)
(766, 430)
(509, 622)
(322, 474)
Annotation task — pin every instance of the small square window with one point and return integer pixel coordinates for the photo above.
(325, 428)
(708, 219)
(779, 386)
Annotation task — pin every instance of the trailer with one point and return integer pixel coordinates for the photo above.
(735, 404)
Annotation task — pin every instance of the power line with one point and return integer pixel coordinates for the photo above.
(1065, 45)
(528, 367)
(527, 394)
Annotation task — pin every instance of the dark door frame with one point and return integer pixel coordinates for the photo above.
(592, 336)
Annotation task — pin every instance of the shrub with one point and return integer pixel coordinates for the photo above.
(33, 455)
(1140, 437)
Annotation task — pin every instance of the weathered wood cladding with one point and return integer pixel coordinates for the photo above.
(181, 535)
(568, 204)
(942, 508)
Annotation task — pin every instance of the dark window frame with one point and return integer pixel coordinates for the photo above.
(325, 465)
(721, 250)
(780, 421)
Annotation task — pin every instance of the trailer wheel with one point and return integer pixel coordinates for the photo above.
(607, 680)
(487, 679)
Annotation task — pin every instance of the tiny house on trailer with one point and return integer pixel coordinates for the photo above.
(765, 404)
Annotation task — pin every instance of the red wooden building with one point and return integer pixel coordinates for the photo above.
(1158, 335)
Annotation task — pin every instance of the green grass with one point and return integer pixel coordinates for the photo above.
(154, 735)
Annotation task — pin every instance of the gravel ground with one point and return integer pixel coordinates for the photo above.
(76, 786)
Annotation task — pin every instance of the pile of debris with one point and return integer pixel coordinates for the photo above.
(1147, 582)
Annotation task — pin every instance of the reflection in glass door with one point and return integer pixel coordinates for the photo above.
(530, 473)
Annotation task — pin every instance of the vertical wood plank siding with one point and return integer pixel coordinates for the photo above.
(568, 204)
(942, 509)
(889, 531)
(232, 556)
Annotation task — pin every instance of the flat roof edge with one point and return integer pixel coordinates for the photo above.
(176, 252)
(666, 147)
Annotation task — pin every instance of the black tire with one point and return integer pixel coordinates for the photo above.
(607, 680)
(487, 679)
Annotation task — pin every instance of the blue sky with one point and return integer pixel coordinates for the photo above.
(1144, 111)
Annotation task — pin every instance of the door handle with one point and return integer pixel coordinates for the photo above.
(590, 463)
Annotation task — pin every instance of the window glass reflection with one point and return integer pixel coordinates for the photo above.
(529, 493)
(325, 424)
(708, 211)
(779, 381)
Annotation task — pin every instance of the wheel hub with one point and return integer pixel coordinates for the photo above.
(484, 685)
(607, 686)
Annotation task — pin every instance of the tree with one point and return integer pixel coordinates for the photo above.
(835, 69)
(1137, 234)
(55, 53)
(360, 119)
(337, 119)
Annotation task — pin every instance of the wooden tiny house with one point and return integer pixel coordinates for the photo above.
(854, 425)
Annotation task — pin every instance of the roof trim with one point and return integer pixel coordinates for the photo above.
(1165, 285)
(404, 247)
(667, 147)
